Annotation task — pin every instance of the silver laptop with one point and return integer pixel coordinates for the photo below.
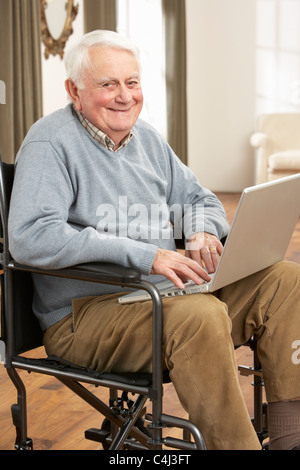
(259, 237)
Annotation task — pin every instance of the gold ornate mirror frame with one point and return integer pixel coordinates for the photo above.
(56, 46)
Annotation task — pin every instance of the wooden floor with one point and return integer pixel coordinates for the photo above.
(57, 418)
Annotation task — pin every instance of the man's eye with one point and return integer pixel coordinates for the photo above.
(109, 85)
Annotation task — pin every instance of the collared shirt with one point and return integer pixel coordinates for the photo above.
(100, 136)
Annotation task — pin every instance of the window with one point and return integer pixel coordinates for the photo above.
(277, 56)
(142, 21)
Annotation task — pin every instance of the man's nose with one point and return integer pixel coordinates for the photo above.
(124, 95)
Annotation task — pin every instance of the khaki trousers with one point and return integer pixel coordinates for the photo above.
(198, 337)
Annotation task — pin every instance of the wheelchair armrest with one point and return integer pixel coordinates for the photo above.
(106, 273)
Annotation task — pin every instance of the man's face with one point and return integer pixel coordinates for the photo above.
(112, 97)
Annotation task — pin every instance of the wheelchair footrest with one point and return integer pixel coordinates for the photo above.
(98, 435)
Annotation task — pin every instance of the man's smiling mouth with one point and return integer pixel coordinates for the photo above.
(119, 110)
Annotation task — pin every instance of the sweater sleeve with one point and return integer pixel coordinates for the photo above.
(39, 232)
(201, 209)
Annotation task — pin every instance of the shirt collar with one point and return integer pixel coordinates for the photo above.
(100, 136)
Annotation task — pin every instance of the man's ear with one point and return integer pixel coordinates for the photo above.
(72, 91)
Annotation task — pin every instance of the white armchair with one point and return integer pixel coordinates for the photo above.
(277, 144)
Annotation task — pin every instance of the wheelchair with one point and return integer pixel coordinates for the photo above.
(124, 426)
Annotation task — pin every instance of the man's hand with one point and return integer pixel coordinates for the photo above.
(178, 268)
(206, 249)
(203, 250)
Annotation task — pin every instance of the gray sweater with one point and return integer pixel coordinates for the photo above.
(73, 202)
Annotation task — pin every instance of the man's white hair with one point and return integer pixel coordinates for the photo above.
(77, 59)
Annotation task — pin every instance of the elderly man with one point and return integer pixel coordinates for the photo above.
(81, 173)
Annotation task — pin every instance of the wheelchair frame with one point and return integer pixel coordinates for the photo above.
(124, 432)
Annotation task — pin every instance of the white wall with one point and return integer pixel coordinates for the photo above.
(221, 91)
